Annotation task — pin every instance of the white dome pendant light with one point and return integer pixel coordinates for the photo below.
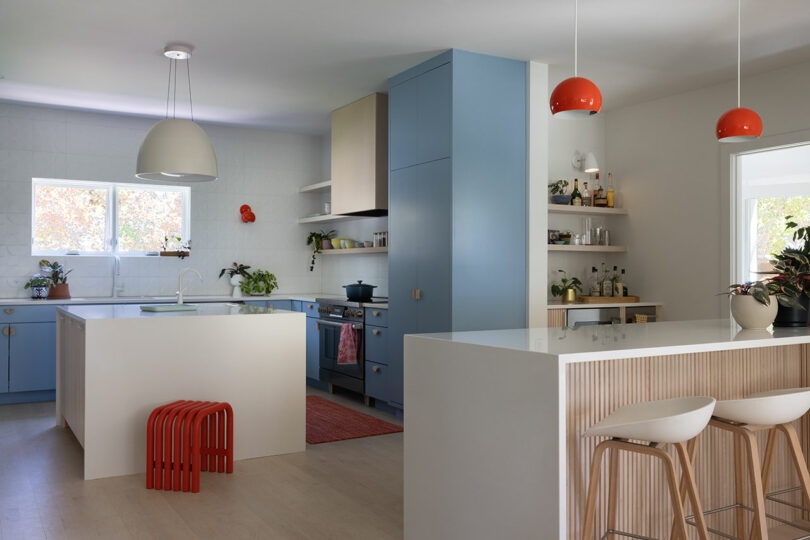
(177, 150)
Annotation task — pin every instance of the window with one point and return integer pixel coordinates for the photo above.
(98, 218)
(773, 184)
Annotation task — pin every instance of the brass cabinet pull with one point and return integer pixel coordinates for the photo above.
(310, 306)
(416, 294)
(376, 332)
(270, 305)
(9, 331)
(376, 313)
(376, 369)
(9, 311)
(317, 326)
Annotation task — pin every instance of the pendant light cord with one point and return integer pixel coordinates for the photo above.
(739, 10)
(576, 33)
(188, 76)
(174, 105)
(168, 89)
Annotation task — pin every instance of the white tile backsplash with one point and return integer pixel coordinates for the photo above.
(264, 169)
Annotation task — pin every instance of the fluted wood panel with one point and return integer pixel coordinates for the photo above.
(594, 389)
(556, 318)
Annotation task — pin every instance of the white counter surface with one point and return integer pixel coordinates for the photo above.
(133, 311)
(609, 342)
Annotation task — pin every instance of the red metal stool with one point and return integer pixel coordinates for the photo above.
(184, 438)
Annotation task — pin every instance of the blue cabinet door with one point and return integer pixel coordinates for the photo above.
(3, 358)
(280, 304)
(313, 348)
(434, 124)
(32, 357)
(403, 124)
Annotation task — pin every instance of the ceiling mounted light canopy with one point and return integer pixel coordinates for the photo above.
(575, 97)
(177, 150)
(740, 124)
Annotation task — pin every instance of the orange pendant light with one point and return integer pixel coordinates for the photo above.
(575, 97)
(740, 124)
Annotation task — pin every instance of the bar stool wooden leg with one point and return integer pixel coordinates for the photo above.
(688, 480)
(767, 461)
(613, 488)
(798, 457)
(674, 494)
(760, 527)
(593, 490)
(691, 448)
(739, 486)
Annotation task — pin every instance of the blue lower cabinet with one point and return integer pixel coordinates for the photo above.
(280, 304)
(377, 344)
(312, 349)
(4, 331)
(32, 357)
(257, 303)
(377, 381)
(296, 305)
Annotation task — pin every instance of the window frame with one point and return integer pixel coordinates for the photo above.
(111, 217)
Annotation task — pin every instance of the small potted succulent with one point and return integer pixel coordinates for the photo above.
(259, 283)
(60, 290)
(236, 273)
(567, 288)
(751, 304)
(557, 191)
(319, 241)
(40, 286)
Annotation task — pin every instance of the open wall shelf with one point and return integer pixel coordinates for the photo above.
(586, 210)
(587, 249)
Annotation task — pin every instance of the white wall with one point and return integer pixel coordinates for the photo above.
(260, 168)
(667, 164)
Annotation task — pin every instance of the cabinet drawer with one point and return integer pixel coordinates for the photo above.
(377, 317)
(310, 308)
(377, 344)
(377, 380)
(9, 314)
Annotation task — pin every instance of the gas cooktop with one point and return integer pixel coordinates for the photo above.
(347, 303)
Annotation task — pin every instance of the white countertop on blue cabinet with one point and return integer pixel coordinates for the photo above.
(303, 297)
(133, 311)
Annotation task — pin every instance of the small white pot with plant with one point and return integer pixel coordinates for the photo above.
(752, 305)
(237, 273)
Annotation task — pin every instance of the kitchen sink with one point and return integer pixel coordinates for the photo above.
(169, 307)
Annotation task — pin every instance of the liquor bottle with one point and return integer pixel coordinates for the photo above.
(611, 194)
(595, 287)
(576, 196)
(586, 196)
(618, 284)
(599, 196)
(607, 283)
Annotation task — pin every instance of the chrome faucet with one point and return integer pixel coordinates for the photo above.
(180, 289)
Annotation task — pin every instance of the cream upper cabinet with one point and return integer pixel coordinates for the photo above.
(360, 157)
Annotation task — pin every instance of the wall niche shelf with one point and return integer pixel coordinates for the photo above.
(325, 218)
(586, 210)
(587, 249)
(354, 251)
(313, 188)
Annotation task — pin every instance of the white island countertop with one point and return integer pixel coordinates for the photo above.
(610, 342)
(133, 311)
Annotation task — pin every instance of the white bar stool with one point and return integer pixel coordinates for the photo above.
(654, 422)
(773, 410)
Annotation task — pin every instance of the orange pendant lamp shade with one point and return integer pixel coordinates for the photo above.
(575, 97)
(739, 125)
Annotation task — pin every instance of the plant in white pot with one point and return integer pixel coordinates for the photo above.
(752, 306)
(237, 273)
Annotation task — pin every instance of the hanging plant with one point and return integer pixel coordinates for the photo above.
(315, 239)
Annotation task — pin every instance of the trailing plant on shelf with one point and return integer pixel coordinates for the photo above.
(316, 239)
(567, 287)
(259, 283)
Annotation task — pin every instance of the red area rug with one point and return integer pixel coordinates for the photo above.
(328, 422)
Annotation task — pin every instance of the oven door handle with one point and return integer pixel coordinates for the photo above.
(329, 323)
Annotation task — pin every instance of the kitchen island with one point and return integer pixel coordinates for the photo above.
(116, 363)
(495, 422)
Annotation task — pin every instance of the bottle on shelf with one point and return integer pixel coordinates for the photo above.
(611, 193)
(599, 196)
(586, 196)
(595, 286)
(576, 196)
(618, 284)
(607, 283)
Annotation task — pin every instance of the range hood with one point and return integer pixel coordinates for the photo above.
(360, 157)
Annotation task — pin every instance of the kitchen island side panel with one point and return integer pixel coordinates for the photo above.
(483, 443)
(595, 389)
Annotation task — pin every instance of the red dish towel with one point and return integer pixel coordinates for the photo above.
(347, 349)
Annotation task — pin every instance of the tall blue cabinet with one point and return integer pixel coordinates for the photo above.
(457, 199)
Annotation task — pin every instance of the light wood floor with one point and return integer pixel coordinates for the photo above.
(347, 489)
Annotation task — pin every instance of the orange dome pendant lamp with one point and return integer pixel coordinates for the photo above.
(575, 97)
(740, 124)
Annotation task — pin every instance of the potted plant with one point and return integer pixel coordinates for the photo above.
(557, 190)
(237, 274)
(58, 276)
(791, 278)
(567, 288)
(259, 283)
(319, 241)
(751, 304)
(181, 249)
(39, 285)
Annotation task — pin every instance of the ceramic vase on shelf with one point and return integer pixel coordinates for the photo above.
(751, 314)
(59, 291)
(236, 281)
(569, 296)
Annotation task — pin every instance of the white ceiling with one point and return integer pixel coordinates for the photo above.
(287, 63)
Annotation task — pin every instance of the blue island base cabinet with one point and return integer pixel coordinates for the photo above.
(27, 354)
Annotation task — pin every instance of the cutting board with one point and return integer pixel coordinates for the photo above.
(587, 299)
